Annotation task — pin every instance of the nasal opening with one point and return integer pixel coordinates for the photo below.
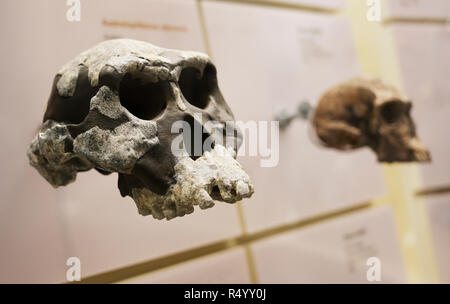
(196, 140)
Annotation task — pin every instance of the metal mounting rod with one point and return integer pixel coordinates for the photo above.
(303, 112)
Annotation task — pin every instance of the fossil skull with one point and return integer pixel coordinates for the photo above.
(113, 107)
(367, 112)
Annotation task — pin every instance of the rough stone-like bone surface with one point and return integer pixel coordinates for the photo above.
(112, 108)
(215, 175)
(368, 112)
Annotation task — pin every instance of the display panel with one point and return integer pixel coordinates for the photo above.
(424, 64)
(417, 9)
(229, 267)
(333, 252)
(87, 219)
(295, 56)
(131, 237)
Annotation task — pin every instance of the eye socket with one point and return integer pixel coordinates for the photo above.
(145, 100)
(392, 111)
(196, 88)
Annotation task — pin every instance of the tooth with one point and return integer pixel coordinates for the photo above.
(188, 209)
(157, 212)
(225, 189)
(169, 214)
(242, 189)
(144, 211)
(170, 210)
(204, 200)
(181, 210)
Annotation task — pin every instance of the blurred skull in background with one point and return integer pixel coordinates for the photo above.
(367, 112)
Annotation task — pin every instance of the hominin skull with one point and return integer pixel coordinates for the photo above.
(113, 108)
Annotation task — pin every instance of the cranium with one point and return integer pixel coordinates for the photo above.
(112, 108)
(367, 112)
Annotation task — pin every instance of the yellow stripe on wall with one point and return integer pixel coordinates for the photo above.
(377, 56)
